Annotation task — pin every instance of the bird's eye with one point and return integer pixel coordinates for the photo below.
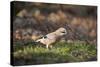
(63, 32)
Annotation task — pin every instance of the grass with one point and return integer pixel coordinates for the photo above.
(62, 52)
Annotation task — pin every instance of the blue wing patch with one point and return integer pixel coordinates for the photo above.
(44, 36)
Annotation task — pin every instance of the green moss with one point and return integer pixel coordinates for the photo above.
(61, 52)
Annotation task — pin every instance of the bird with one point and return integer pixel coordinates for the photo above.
(52, 37)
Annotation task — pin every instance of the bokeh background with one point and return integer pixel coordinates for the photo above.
(32, 21)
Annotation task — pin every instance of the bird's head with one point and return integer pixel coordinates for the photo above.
(61, 31)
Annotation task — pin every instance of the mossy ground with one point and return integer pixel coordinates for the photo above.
(62, 52)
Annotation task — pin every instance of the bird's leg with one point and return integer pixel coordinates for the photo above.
(47, 46)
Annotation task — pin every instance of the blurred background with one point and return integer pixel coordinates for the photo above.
(32, 20)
